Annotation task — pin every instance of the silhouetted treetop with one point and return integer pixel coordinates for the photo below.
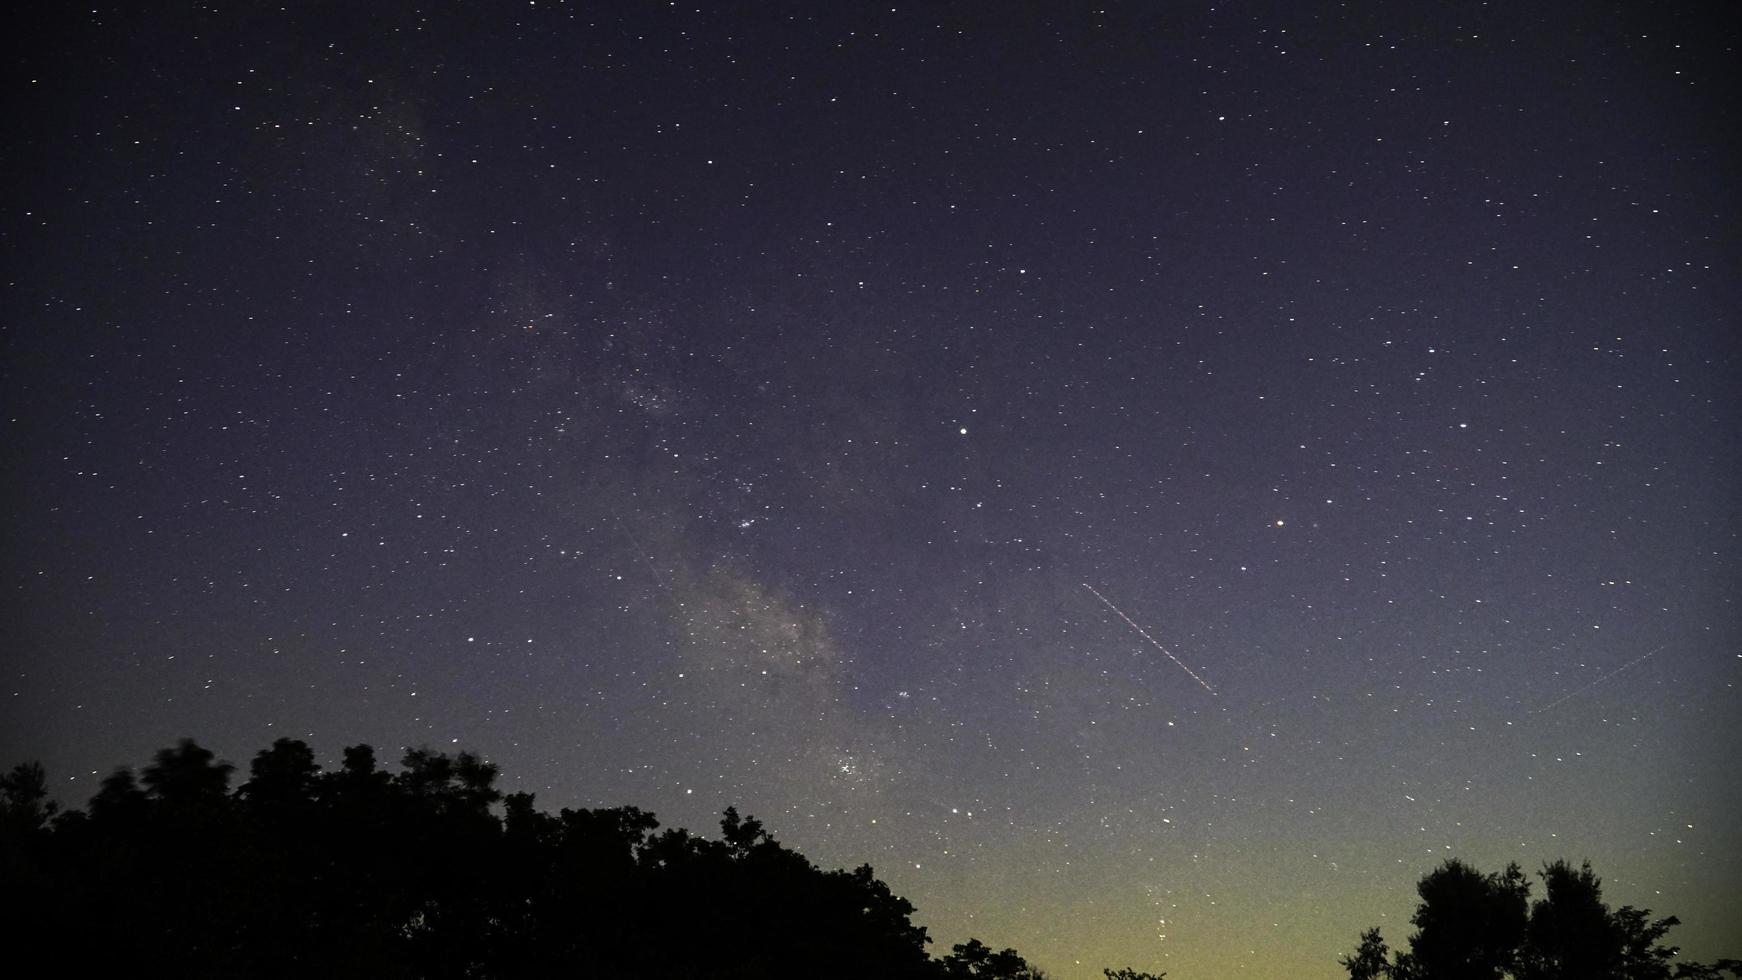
(1472, 926)
(973, 960)
(187, 776)
(24, 803)
(1469, 924)
(430, 871)
(281, 777)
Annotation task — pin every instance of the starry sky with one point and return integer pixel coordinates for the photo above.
(1153, 479)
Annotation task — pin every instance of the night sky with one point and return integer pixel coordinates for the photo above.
(1152, 479)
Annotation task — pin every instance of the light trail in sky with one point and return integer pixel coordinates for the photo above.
(645, 558)
(1151, 639)
(1575, 692)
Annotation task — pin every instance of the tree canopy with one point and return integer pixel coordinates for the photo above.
(430, 871)
(1475, 926)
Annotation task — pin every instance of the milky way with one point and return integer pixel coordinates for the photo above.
(688, 406)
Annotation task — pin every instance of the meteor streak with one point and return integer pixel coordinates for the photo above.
(1575, 692)
(1151, 639)
(639, 550)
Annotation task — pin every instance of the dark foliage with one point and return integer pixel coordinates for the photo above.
(427, 872)
(974, 960)
(1472, 926)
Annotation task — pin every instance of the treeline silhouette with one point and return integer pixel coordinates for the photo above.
(1475, 926)
(432, 872)
(429, 872)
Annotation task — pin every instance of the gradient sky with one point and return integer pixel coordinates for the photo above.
(692, 405)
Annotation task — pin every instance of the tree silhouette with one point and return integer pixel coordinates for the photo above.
(119, 799)
(1372, 959)
(186, 778)
(24, 803)
(1470, 924)
(430, 872)
(974, 959)
(281, 779)
(1473, 926)
(25, 862)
